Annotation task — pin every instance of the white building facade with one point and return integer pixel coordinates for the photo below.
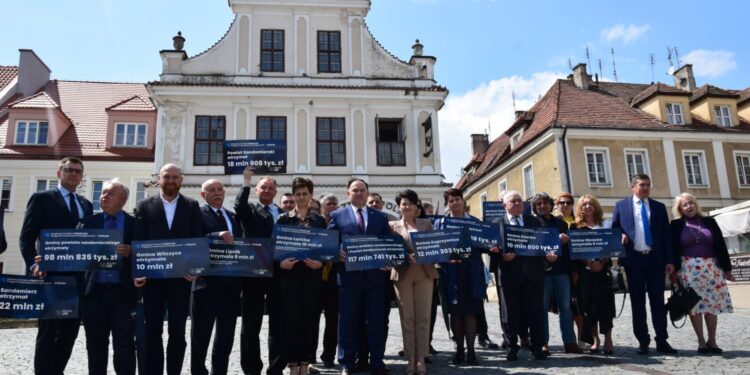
(311, 74)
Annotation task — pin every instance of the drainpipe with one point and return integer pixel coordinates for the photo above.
(565, 159)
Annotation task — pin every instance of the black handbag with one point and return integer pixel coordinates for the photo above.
(681, 302)
(618, 279)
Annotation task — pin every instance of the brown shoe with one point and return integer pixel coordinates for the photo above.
(572, 348)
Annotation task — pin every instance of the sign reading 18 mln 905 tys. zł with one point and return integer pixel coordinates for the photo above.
(264, 157)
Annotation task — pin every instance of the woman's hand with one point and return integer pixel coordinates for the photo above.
(313, 264)
(564, 238)
(495, 249)
(728, 275)
(36, 272)
(412, 259)
(288, 263)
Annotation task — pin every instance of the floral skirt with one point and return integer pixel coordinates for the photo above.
(707, 279)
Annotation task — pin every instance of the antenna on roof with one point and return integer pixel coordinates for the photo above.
(489, 128)
(570, 64)
(677, 57)
(652, 68)
(600, 69)
(513, 95)
(670, 71)
(588, 57)
(614, 66)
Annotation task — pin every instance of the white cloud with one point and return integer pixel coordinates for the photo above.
(710, 64)
(490, 102)
(624, 33)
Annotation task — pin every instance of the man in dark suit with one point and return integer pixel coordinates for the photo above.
(215, 298)
(168, 215)
(108, 303)
(58, 208)
(361, 293)
(648, 246)
(522, 278)
(257, 221)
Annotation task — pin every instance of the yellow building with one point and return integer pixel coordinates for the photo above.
(591, 137)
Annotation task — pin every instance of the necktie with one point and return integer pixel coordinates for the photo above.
(222, 220)
(514, 220)
(110, 222)
(646, 226)
(268, 209)
(360, 221)
(73, 207)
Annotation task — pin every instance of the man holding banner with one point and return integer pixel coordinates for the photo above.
(169, 215)
(109, 300)
(361, 293)
(216, 299)
(57, 208)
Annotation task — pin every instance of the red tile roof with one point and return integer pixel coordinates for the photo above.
(657, 89)
(7, 74)
(744, 96)
(36, 101)
(135, 103)
(708, 90)
(85, 103)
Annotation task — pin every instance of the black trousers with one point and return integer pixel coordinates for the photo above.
(259, 295)
(54, 344)
(218, 303)
(300, 288)
(525, 301)
(105, 310)
(174, 294)
(328, 304)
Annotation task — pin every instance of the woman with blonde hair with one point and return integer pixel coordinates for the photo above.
(699, 247)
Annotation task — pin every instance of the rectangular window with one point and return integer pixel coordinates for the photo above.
(674, 114)
(723, 115)
(96, 193)
(209, 140)
(32, 132)
(695, 168)
(501, 187)
(140, 192)
(271, 128)
(130, 135)
(515, 139)
(528, 181)
(43, 184)
(597, 164)
(331, 141)
(390, 142)
(483, 197)
(742, 162)
(272, 50)
(5, 185)
(329, 52)
(636, 162)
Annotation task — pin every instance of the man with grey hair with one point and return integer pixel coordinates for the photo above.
(109, 300)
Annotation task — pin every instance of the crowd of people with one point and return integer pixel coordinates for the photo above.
(356, 304)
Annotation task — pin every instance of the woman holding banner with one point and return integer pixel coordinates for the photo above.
(300, 282)
(565, 204)
(595, 296)
(699, 247)
(464, 286)
(413, 284)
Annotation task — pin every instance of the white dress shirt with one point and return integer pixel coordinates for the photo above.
(169, 208)
(639, 242)
(364, 214)
(510, 219)
(274, 209)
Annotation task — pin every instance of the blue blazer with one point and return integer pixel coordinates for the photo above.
(624, 218)
(344, 220)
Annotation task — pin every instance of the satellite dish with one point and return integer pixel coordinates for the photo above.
(670, 71)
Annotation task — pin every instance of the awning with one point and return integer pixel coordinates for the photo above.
(734, 223)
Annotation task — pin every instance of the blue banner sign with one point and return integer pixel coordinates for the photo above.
(440, 245)
(79, 250)
(305, 242)
(597, 243)
(264, 157)
(531, 241)
(482, 235)
(492, 211)
(373, 252)
(246, 257)
(170, 258)
(28, 297)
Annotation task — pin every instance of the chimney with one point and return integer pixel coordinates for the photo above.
(33, 73)
(479, 144)
(684, 78)
(580, 77)
(425, 65)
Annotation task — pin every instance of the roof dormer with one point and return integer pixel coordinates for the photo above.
(743, 105)
(716, 106)
(666, 103)
(131, 123)
(36, 120)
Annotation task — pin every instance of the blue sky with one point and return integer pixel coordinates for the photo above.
(486, 49)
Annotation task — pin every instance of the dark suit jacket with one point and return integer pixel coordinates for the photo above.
(624, 218)
(254, 220)
(128, 290)
(46, 210)
(151, 220)
(720, 248)
(344, 220)
(531, 267)
(211, 228)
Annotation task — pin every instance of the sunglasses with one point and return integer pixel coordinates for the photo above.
(565, 203)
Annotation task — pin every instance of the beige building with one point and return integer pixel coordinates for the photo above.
(111, 126)
(591, 137)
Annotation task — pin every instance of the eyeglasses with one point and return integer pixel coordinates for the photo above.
(565, 203)
(72, 170)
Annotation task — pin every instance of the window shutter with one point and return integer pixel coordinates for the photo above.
(401, 132)
(377, 128)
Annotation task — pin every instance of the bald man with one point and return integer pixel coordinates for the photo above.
(169, 215)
